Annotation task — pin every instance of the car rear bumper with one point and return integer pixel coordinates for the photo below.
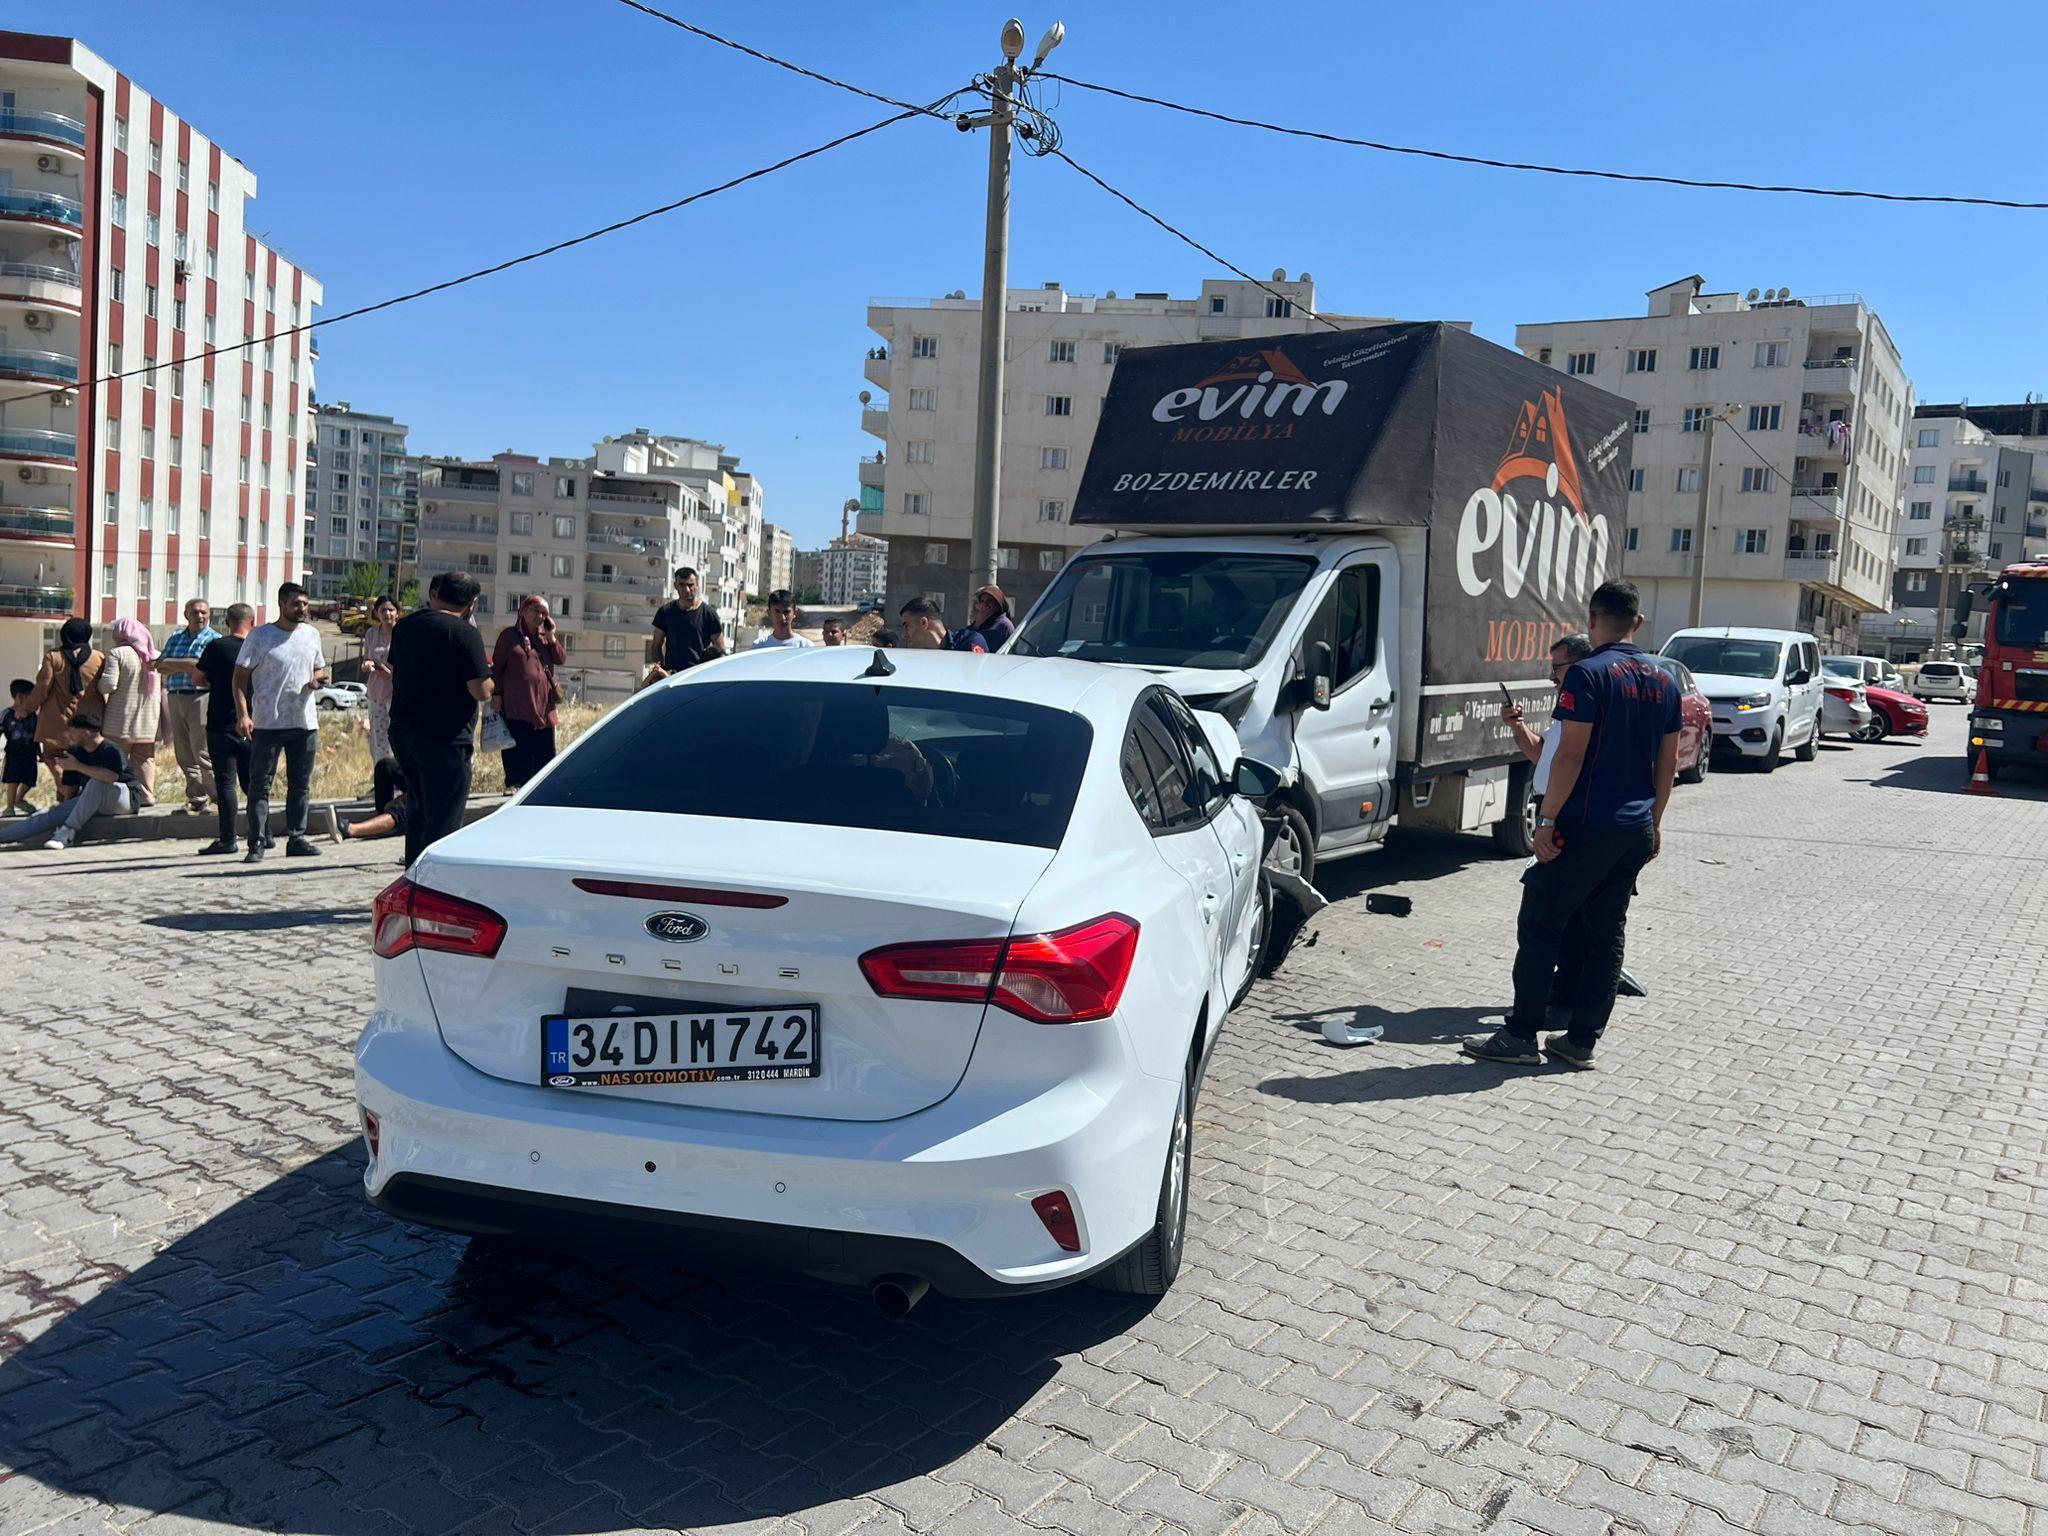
(944, 1194)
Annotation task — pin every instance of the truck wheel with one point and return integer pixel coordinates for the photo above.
(1515, 833)
(1768, 763)
(1294, 846)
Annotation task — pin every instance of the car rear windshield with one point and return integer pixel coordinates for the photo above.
(1725, 654)
(1843, 666)
(1938, 669)
(834, 755)
(1169, 608)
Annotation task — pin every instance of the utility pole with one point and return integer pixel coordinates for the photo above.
(1003, 83)
(1699, 530)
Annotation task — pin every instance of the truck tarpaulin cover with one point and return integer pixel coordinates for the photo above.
(1520, 474)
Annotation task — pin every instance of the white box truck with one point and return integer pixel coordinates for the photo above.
(1349, 544)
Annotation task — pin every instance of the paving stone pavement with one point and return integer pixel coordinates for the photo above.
(1781, 1266)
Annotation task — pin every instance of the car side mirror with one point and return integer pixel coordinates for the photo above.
(1322, 670)
(1255, 780)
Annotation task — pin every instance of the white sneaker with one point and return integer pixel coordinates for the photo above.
(59, 843)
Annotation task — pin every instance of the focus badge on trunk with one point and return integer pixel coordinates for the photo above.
(678, 927)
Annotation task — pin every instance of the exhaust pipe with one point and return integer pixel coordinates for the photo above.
(895, 1295)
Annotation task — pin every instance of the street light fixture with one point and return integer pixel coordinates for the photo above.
(1054, 36)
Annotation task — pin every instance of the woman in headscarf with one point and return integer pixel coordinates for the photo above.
(377, 674)
(988, 615)
(68, 681)
(523, 665)
(134, 700)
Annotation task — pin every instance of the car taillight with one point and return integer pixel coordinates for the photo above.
(408, 916)
(1068, 977)
(1846, 695)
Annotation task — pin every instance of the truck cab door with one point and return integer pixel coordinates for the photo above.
(1346, 750)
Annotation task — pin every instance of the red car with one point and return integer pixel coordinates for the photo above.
(1696, 723)
(1894, 714)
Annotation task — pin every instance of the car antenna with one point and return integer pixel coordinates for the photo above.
(881, 666)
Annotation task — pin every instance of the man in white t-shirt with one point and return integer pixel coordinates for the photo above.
(278, 676)
(1541, 751)
(781, 624)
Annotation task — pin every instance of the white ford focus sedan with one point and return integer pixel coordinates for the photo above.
(895, 969)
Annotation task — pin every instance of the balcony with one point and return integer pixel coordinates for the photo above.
(872, 472)
(462, 490)
(42, 367)
(37, 443)
(877, 422)
(2037, 530)
(34, 280)
(473, 529)
(618, 618)
(648, 501)
(1831, 375)
(615, 581)
(877, 367)
(481, 565)
(43, 208)
(1816, 443)
(1817, 567)
(1972, 483)
(34, 602)
(39, 525)
(1817, 501)
(602, 539)
(44, 127)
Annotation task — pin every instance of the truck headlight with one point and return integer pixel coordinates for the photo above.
(1986, 723)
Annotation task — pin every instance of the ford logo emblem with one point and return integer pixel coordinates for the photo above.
(678, 927)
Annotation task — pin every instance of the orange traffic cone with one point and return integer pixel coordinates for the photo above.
(1980, 776)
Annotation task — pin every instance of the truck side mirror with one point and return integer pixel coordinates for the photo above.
(1965, 601)
(1255, 780)
(1322, 672)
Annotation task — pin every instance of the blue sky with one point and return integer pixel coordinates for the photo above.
(398, 144)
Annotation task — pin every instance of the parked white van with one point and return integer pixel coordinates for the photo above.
(1764, 685)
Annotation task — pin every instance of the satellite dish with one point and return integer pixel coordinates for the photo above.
(1303, 278)
(1279, 274)
(865, 397)
(1751, 296)
(1784, 294)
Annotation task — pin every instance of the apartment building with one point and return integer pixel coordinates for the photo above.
(853, 570)
(1809, 453)
(125, 243)
(1977, 488)
(362, 498)
(778, 558)
(918, 490)
(734, 500)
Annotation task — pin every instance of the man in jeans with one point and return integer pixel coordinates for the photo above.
(280, 670)
(227, 745)
(439, 674)
(1599, 824)
(101, 781)
(185, 704)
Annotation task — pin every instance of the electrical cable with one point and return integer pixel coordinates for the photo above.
(780, 63)
(496, 267)
(1187, 239)
(1527, 165)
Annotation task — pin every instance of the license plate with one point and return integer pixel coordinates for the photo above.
(650, 1050)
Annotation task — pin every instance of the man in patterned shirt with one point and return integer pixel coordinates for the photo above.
(185, 703)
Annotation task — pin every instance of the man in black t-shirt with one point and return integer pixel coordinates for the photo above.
(226, 748)
(439, 674)
(101, 779)
(686, 631)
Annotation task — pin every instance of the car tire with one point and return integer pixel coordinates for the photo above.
(1768, 763)
(1809, 749)
(1262, 934)
(1697, 773)
(1150, 1268)
(1880, 726)
(1515, 833)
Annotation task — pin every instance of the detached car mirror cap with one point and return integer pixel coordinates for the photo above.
(1256, 780)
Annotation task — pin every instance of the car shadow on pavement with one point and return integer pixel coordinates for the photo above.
(259, 922)
(304, 1362)
(1454, 1074)
(1419, 1026)
(1944, 774)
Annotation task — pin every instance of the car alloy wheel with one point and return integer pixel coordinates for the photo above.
(1262, 928)
(1149, 1269)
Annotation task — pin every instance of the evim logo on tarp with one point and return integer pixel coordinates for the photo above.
(1553, 543)
(1256, 387)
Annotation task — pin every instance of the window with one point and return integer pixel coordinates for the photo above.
(565, 487)
(110, 508)
(177, 381)
(120, 142)
(1052, 511)
(149, 300)
(1629, 541)
(1348, 621)
(1756, 477)
(209, 331)
(1688, 480)
(117, 210)
(114, 352)
(177, 453)
(177, 314)
(1050, 559)
(212, 264)
(519, 565)
(917, 452)
(1765, 418)
(924, 399)
(156, 158)
(1923, 474)
(184, 176)
(1052, 458)
(1773, 354)
(248, 407)
(206, 522)
(522, 524)
(1279, 309)
(1059, 405)
(1681, 541)
(565, 526)
(142, 584)
(1636, 478)
(1642, 360)
(1751, 541)
(1916, 546)
(149, 442)
(522, 482)
(1006, 559)
(213, 197)
(924, 346)
(270, 298)
(935, 554)
(1703, 359)
(916, 504)
(614, 646)
(117, 290)
(1930, 437)
(1642, 421)
(1111, 350)
(1920, 511)
(1580, 363)
(206, 458)
(561, 566)
(1997, 550)
(1062, 352)
(145, 511)
(266, 415)
(152, 226)
(1216, 304)
(1694, 418)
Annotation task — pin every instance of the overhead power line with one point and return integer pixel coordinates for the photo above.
(780, 63)
(1187, 239)
(496, 267)
(1530, 165)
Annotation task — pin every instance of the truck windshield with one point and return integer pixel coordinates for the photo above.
(2023, 615)
(1168, 608)
(1725, 654)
